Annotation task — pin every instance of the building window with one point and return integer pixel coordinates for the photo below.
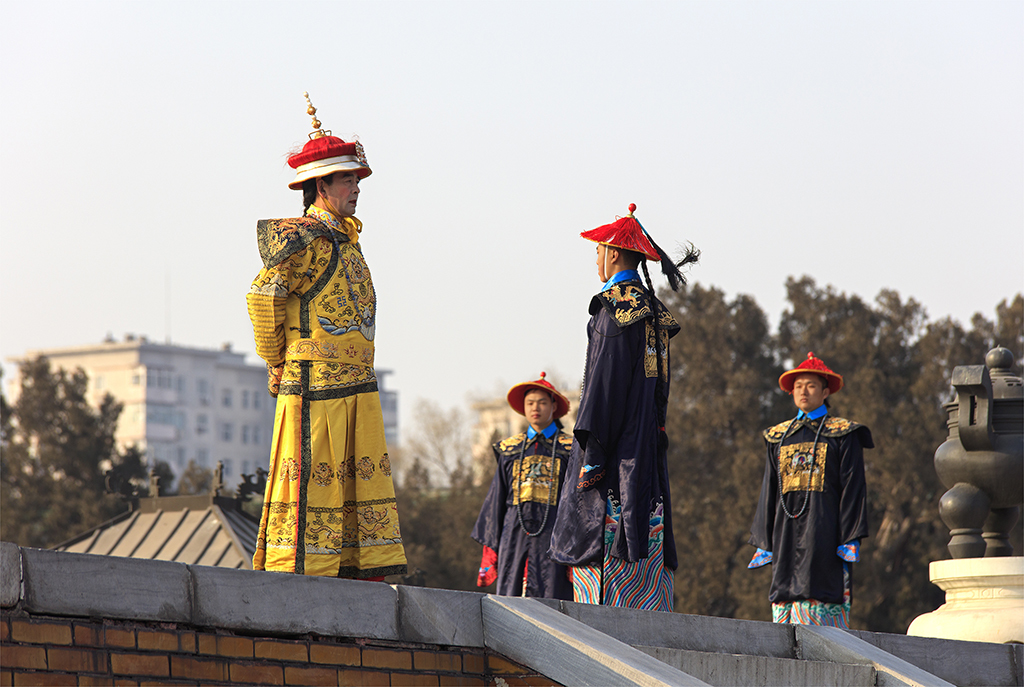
(245, 398)
(256, 434)
(245, 434)
(256, 400)
(229, 467)
(226, 398)
(162, 415)
(136, 379)
(246, 467)
(202, 423)
(227, 430)
(100, 382)
(203, 457)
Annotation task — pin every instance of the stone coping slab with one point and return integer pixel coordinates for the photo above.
(10, 574)
(689, 632)
(818, 643)
(283, 603)
(75, 584)
(568, 651)
(967, 664)
(440, 616)
(726, 670)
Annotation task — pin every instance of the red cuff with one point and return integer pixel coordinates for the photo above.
(488, 572)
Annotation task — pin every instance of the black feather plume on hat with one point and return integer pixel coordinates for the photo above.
(672, 268)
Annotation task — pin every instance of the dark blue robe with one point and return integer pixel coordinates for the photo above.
(620, 448)
(829, 493)
(498, 526)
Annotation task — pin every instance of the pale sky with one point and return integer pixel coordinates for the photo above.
(868, 145)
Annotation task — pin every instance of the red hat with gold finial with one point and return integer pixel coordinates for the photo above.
(517, 396)
(625, 233)
(811, 366)
(324, 154)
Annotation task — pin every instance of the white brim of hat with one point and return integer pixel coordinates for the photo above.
(329, 165)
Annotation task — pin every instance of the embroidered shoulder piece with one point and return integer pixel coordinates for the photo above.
(627, 302)
(280, 238)
(665, 319)
(838, 426)
(511, 445)
(564, 441)
(773, 435)
(834, 427)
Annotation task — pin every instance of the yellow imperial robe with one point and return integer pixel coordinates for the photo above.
(329, 508)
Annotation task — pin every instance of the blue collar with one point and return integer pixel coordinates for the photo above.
(548, 433)
(624, 275)
(821, 411)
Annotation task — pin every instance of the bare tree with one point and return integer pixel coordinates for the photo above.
(440, 443)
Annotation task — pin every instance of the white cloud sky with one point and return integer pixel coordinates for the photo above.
(869, 145)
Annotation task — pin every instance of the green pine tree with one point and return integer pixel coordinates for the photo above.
(55, 450)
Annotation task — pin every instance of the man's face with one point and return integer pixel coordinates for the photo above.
(342, 192)
(809, 392)
(539, 409)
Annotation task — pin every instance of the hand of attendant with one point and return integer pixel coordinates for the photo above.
(274, 379)
(488, 573)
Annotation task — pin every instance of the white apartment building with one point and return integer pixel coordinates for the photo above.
(183, 403)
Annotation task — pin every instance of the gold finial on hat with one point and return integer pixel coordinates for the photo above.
(311, 111)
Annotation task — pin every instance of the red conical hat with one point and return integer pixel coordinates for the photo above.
(813, 366)
(624, 233)
(517, 396)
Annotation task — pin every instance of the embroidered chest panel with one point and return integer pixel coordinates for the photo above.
(799, 470)
(348, 302)
(535, 478)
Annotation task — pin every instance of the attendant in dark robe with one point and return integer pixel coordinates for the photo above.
(519, 512)
(614, 525)
(812, 512)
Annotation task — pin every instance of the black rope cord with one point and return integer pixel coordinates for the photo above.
(659, 384)
(814, 458)
(551, 486)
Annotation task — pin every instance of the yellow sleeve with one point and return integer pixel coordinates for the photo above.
(270, 292)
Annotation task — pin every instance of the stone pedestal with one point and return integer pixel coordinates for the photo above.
(984, 600)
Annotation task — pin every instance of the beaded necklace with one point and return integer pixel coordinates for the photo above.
(778, 467)
(551, 486)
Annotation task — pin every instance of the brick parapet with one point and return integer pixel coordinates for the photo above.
(41, 650)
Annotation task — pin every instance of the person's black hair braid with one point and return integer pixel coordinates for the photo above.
(659, 384)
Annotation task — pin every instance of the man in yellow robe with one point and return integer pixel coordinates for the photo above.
(329, 507)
